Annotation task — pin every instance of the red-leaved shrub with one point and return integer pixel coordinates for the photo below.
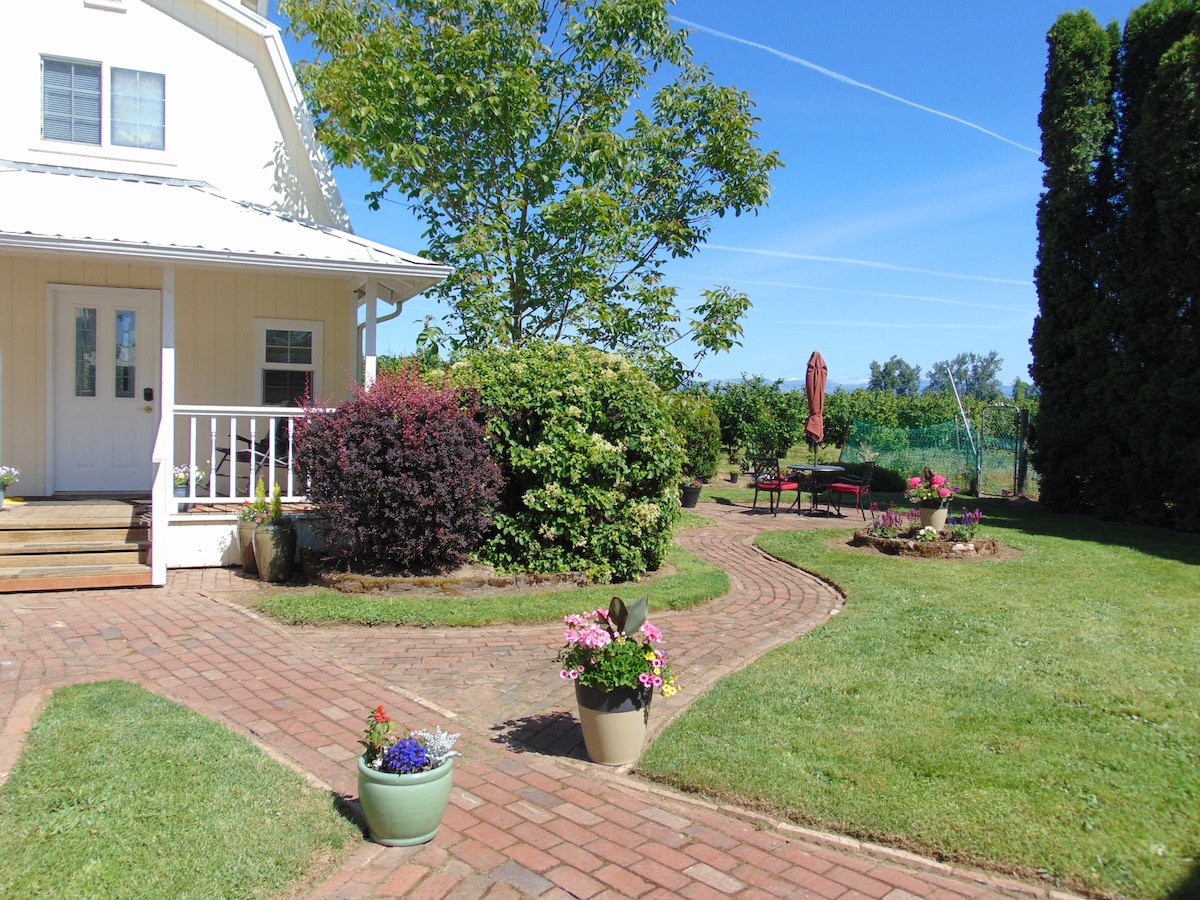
(401, 473)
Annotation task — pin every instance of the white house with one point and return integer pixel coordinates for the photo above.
(176, 265)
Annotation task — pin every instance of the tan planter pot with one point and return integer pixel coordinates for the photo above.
(245, 537)
(614, 723)
(935, 516)
(274, 549)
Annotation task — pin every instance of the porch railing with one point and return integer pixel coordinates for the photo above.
(234, 446)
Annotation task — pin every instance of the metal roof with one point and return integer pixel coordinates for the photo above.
(47, 209)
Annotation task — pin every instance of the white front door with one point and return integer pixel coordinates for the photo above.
(105, 395)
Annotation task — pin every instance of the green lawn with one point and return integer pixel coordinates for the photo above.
(122, 794)
(1037, 715)
(693, 581)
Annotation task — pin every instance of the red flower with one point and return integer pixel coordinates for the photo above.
(380, 715)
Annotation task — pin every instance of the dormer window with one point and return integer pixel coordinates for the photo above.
(138, 109)
(70, 101)
(73, 104)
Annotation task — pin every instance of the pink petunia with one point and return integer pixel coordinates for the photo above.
(656, 680)
(646, 679)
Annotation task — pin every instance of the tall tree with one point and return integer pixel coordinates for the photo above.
(1070, 355)
(521, 134)
(977, 377)
(1160, 278)
(897, 376)
(1117, 344)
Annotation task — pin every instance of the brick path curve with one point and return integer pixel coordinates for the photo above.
(529, 816)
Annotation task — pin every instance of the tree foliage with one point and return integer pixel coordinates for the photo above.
(896, 376)
(559, 153)
(977, 377)
(758, 417)
(1116, 344)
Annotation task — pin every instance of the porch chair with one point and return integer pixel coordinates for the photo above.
(255, 454)
(857, 487)
(767, 479)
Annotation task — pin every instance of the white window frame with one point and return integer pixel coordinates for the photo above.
(100, 113)
(105, 145)
(261, 326)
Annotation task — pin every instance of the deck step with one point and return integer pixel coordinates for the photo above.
(55, 545)
(10, 537)
(48, 555)
(67, 578)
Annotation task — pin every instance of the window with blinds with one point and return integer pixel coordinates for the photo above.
(70, 101)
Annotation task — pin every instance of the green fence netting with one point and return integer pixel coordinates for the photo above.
(945, 448)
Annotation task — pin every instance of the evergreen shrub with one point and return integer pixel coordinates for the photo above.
(590, 457)
(401, 473)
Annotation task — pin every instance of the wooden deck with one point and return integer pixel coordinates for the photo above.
(52, 544)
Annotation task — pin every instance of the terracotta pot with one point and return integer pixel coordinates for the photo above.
(614, 723)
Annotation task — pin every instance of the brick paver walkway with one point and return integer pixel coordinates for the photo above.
(529, 815)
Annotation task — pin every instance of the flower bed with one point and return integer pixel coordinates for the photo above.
(944, 548)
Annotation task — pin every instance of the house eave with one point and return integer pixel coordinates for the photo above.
(413, 278)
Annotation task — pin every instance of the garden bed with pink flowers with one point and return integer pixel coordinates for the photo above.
(944, 547)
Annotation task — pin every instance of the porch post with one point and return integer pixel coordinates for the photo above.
(162, 497)
(370, 358)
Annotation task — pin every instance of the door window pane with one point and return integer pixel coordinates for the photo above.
(85, 351)
(138, 109)
(70, 101)
(126, 353)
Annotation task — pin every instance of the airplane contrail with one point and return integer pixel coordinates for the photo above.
(845, 260)
(837, 76)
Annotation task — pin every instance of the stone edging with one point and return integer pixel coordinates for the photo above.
(943, 549)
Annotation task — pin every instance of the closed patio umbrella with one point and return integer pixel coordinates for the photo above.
(814, 387)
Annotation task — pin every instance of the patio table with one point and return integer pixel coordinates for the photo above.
(815, 476)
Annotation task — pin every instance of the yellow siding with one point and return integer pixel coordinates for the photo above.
(215, 335)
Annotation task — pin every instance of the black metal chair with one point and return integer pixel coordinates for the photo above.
(856, 487)
(257, 455)
(768, 480)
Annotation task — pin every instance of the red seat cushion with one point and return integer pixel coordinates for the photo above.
(773, 485)
(847, 488)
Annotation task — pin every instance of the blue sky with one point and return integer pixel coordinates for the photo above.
(904, 220)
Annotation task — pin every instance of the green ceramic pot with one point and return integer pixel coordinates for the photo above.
(403, 810)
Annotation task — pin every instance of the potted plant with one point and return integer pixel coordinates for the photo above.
(611, 658)
(932, 494)
(8, 477)
(690, 489)
(251, 513)
(274, 541)
(183, 478)
(404, 780)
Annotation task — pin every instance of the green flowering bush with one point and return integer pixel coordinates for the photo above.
(590, 456)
